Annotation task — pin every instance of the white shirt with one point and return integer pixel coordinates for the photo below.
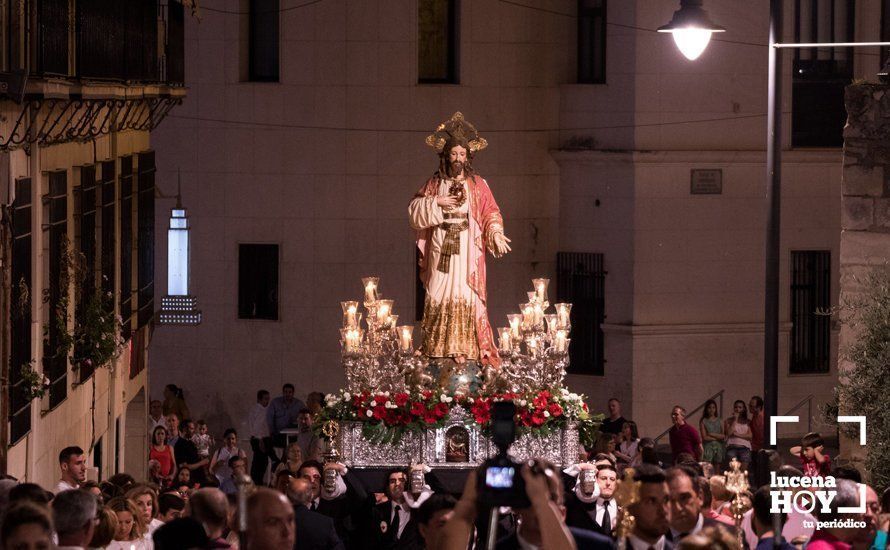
(152, 527)
(138, 544)
(404, 517)
(63, 485)
(152, 424)
(601, 511)
(256, 422)
(699, 525)
(639, 544)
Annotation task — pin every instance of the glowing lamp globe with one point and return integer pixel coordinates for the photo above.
(691, 28)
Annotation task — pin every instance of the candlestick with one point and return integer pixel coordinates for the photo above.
(538, 311)
(541, 289)
(406, 338)
(370, 284)
(393, 321)
(532, 343)
(528, 315)
(551, 323)
(514, 319)
(563, 316)
(560, 341)
(349, 311)
(532, 296)
(384, 309)
(505, 339)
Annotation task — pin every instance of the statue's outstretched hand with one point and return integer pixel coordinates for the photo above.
(500, 245)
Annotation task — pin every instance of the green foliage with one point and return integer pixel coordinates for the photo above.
(864, 387)
(34, 384)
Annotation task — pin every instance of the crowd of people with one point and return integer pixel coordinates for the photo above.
(200, 493)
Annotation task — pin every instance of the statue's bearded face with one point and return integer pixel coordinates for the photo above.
(457, 159)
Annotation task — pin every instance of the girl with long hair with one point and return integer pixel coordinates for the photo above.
(711, 429)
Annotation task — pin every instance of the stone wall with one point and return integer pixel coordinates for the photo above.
(865, 202)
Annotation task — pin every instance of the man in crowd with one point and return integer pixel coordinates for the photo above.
(314, 531)
(686, 516)
(260, 442)
(684, 438)
(211, 508)
(155, 416)
(270, 521)
(347, 510)
(281, 414)
(238, 465)
(391, 520)
(432, 516)
(72, 464)
(309, 443)
(170, 506)
(651, 511)
(762, 521)
(592, 507)
(615, 422)
(73, 515)
(187, 453)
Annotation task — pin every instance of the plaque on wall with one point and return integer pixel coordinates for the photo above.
(706, 182)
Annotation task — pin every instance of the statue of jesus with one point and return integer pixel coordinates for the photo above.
(457, 220)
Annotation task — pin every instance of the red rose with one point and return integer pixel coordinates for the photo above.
(401, 399)
(417, 408)
(555, 409)
(537, 419)
(441, 409)
(379, 412)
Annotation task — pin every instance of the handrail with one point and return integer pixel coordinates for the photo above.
(718, 396)
(809, 402)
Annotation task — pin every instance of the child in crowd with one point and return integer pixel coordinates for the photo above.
(202, 440)
(816, 462)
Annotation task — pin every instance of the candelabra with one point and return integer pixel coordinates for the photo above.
(737, 484)
(534, 347)
(381, 357)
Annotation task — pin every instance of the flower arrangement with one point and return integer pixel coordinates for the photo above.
(386, 416)
(34, 384)
(97, 338)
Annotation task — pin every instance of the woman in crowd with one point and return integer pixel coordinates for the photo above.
(163, 453)
(146, 501)
(27, 525)
(105, 530)
(737, 430)
(130, 526)
(174, 402)
(292, 463)
(711, 429)
(219, 464)
(628, 442)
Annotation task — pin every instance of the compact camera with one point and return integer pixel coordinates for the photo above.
(499, 482)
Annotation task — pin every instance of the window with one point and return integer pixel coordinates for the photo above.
(810, 294)
(22, 297)
(146, 238)
(126, 235)
(55, 232)
(580, 280)
(108, 230)
(86, 221)
(592, 41)
(820, 74)
(263, 40)
(52, 36)
(258, 281)
(437, 42)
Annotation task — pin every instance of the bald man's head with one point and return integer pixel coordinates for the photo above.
(299, 491)
(270, 521)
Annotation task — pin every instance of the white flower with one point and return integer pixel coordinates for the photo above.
(370, 413)
(471, 400)
(373, 403)
(523, 402)
(346, 395)
(546, 414)
(386, 393)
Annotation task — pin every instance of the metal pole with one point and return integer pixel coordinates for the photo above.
(773, 224)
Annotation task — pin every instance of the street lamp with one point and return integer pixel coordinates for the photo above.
(691, 28)
(773, 188)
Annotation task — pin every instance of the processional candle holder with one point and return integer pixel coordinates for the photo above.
(626, 495)
(737, 484)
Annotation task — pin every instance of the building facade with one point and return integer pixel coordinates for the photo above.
(631, 177)
(84, 84)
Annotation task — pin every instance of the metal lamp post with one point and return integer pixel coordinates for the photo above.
(688, 19)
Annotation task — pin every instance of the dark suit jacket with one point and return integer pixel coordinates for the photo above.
(315, 531)
(347, 511)
(580, 515)
(668, 545)
(386, 540)
(708, 522)
(584, 540)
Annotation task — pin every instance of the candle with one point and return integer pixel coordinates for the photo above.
(514, 319)
(349, 310)
(384, 308)
(352, 339)
(539, 313)
(506, 341)
(532, 343)
(560, 341)
(370, 289)
(551, 323)
(393, 321)
(406, 338)
(563, 315)
(528, 315)
(541, 289)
